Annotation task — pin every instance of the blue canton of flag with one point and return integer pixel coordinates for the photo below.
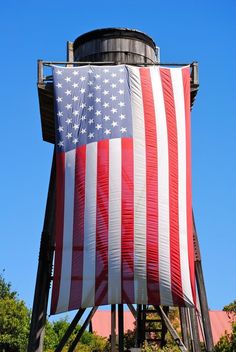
(93, 104)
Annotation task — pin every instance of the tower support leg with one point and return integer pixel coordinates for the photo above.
(139, 326)
(113, 327)
(121, 326)
(43, 279)
(204, 307)
(194, 330)
(202, 293)
(184, 326)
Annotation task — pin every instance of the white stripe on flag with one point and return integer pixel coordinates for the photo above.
(64, 292)
(114, 229)
(140, 263)
(163, 190)
(178, 91)
(88, 291)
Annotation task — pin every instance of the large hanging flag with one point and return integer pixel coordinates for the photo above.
(123, 189)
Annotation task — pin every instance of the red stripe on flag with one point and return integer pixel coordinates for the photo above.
(176, 282)
(186, 83)
(151, 187)
(127, 221)
(59, 213)
(78, 230)
(101, 285)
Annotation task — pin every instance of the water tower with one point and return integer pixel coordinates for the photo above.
(109, 46)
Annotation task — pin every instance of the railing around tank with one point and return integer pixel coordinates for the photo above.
(42, 64)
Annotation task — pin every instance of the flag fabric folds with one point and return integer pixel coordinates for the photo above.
(123, 187)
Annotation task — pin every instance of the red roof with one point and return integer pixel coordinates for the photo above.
(101, 322)
(220, 323)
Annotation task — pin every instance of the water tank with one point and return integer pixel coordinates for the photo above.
(118, 45)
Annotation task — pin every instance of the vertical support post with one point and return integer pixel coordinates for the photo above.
(191, 346)
(194, 75)
(113, 327)
(164, 327)
(139, 326)
(202, 293)
(121, 326)
(144, 308)
(70, 52)
(184, 326)
(40, 71)
(42, 286)
(194, 329)
(204, 307)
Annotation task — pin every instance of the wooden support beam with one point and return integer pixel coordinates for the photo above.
(172, 331)
(121, 327)
(43, 279)
(143, 321)
(204, 307)
(184, 326)
(113, 327)
(194, 330)
(82, 329)
(91, 327)
(194, 74)
(164, 327)
(199, 319)
(70, 53)
(40, 71)
(133, 310)
(70, 329)
(139, 326)
(202, 295)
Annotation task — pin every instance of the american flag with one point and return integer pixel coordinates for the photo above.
(123, 189)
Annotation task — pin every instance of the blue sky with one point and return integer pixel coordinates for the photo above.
(185, 31)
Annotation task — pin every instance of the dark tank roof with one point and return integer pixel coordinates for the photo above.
(114, 33)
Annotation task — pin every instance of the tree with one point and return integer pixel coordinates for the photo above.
(14, 319)
(15, 322)
(227, 343)
(54, 331)
(5, 288)
(230, 307)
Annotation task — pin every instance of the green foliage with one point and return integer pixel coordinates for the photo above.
(54, 332)
(230, 307)
(227, 343)
(170, 347)
(14, 320)
(5, 289)
(60, 327)
(50, 338)
(129, 338)
(97, 343)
